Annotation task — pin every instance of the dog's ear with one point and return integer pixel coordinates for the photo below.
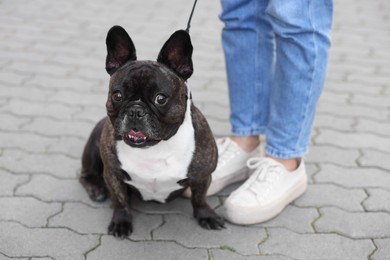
(177, 54)
(120, 49)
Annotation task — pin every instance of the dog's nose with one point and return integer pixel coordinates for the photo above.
(137, 112)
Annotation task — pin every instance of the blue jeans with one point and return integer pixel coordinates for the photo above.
(276, 54)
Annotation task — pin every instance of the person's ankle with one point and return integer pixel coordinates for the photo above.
(247, 143)
(290, 164)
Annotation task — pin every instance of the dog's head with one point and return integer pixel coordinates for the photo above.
(147, 99)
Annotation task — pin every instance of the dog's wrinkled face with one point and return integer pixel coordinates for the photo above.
(147, 100)
(146, 103)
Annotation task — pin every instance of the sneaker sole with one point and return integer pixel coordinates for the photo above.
(248, 216)
(217, 186)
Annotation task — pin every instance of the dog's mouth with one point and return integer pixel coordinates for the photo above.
(137, 138)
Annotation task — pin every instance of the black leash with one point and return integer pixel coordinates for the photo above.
(189, 19)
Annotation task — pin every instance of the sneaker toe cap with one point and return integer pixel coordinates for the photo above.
(244, 199)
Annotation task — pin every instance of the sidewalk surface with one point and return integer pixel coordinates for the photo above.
(53, 89)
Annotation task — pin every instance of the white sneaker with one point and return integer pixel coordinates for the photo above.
(266, 193)
(231, 166)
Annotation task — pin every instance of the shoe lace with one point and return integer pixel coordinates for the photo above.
(265, 174)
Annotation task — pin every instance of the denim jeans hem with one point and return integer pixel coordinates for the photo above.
(248, 132)
(284, 155)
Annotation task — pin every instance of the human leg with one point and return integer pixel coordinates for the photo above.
(247, 41)
(302, 39)
(302, 30)
(249, 66)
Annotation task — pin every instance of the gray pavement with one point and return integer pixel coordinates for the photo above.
(53, 89)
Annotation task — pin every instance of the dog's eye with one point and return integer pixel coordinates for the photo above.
(117, 96)
(161, 99)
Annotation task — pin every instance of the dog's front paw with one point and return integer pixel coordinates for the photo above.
(120, 225)
(208, 219)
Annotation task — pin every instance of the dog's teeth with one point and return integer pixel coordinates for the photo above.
(137, 139)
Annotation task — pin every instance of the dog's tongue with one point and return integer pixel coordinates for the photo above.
(136, 134)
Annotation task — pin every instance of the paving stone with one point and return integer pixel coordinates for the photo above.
(79, 99)
(242, 239)
(10, 181)
(3, 101)
(311, 170)
(367, 61)
(91, 114)
(50, 127)
(87, 220)
(349, 87)
(326, 121)
(383, 251)
(13, 123)
(26, 94)
(112, 248)
(210, 96)
(29, 211)
(24, 141)
(315, 246)
(361, 52)
(82, 218)
(293, 218)
(177, 206)
(53, 164)
(52, 110)
(69, 146)
(331, 195)
(13, 78)
(353, 177)
(332, 154)
(356, 77)
(378, 200)
(353, 140)
(14, 45)
(22, 55)
(353, 224)
(354, 111)
(336, 76)
(51, 189)
(51, 48)
(219, 128)
(86, 73)
(373, 158)
(75, 84)
(213, 110)
(67, 60)
(372, 126)
(43, 242)
(39, 68)
(375, 101)
(226, 254)
(348, 67)
(3, 257)
(334, 97)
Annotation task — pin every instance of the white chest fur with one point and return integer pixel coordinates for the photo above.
(155, 171)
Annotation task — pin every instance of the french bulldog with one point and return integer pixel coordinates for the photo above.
(154, 142)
